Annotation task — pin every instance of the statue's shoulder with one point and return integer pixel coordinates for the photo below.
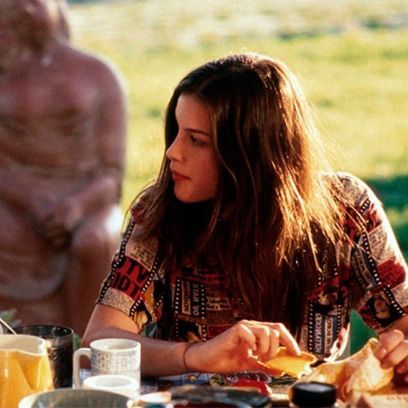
(90, 64)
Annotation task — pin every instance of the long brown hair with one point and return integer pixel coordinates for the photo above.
(273, 208)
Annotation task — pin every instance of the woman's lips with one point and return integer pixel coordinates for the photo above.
(177, 176)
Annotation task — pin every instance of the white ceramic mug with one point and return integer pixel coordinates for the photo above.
(119, 384)
(110, 356)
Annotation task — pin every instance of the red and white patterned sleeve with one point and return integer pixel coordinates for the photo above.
(135, 285)
(379, 272)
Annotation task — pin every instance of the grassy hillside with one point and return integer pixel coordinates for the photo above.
(351, 56)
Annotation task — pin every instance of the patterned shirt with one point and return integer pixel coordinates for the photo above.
(193, 302)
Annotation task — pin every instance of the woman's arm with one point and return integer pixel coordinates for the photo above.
(236, 349)
(158, 357)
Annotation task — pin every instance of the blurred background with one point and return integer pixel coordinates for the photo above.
(350, 55)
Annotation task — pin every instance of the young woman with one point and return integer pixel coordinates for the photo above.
(243, 244)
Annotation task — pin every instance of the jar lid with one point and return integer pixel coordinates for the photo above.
(313, 394)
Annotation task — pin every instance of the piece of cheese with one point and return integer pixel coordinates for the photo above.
(290, 364)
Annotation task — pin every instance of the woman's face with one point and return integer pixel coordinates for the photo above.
(192, 160)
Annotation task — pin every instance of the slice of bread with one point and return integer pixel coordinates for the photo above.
(357, 375)
(383, 401)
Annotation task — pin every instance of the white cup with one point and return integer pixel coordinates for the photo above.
(110, 356)
(119, 384)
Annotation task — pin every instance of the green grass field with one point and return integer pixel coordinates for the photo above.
(351, 56)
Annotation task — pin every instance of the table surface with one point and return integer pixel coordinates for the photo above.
(150, 384)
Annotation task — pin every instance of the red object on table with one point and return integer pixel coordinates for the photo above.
(261, 386)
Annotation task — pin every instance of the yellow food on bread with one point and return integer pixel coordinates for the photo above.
(289, 364)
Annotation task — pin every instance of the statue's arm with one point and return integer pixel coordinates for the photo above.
(18, 190)
(104, 187)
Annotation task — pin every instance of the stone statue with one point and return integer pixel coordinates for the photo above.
(62, 143)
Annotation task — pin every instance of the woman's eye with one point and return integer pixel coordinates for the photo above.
(196, 141)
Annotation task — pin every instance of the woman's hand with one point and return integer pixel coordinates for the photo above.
(240, 347)
(393, 352)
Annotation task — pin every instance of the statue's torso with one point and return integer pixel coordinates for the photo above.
(48, 138)
(47, 120)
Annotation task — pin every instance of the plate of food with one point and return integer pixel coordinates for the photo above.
(275, 379)
(263, 387)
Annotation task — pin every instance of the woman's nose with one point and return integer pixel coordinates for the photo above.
(174, 151)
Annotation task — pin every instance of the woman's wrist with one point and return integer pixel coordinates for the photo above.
(187, 363)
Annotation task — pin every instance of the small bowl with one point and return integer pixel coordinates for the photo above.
(75, 398)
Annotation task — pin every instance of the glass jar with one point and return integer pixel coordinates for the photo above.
(312, 394)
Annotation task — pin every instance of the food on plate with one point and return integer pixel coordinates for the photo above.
(248, 375)
(356, 375)
(286, 363)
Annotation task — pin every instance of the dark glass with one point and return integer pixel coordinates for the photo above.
(59, 340)
(312, 394)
